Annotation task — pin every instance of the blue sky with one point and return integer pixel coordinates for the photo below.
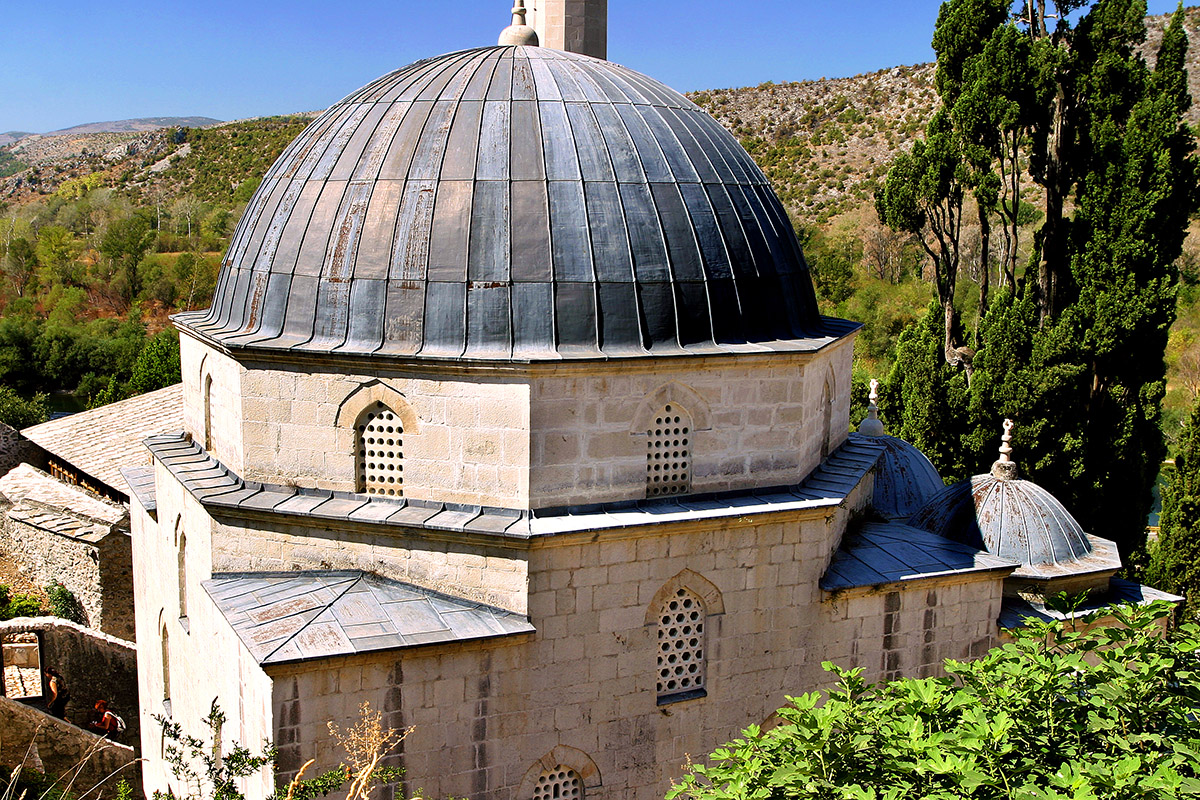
(75, 61)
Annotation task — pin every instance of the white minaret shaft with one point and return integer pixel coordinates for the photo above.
(580, 26)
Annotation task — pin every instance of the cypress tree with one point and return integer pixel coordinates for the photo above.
(1074, 351)
(1175, 556)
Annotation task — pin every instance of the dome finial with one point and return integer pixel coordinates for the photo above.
(871, 426)
(1005, 468)
(518, 33)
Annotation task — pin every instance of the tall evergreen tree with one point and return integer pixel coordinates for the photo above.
(1075, 350)
(1175, 557)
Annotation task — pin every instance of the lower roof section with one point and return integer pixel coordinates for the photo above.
(219, 489)
(1017, 612)
(100, 441)
(289, 617)
(889, 553)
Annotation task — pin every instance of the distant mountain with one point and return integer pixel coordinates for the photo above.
(116, 126)
(137, 125)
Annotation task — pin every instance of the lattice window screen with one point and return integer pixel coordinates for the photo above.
(681, 645)
(669, 453)
(380, 458)
(560, 783)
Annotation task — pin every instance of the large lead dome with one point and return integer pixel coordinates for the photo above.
(513, 202)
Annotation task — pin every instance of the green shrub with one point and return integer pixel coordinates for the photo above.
(1101, 714)
(18, 605)
(64, 604)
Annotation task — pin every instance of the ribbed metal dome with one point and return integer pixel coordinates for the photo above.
(1010, 518)
(514, 203)
(905, 480)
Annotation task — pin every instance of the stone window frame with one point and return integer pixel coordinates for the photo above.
(206, 381)
(827, 399)
(181, 574)
(561, 757)
(165, 644)
(684, 399)
(361, 399)
(713, 602)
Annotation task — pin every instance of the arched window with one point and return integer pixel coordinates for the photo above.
(380, 463)
(208, 413)
(560, 783)
(182, 573)
(681, 647)
(669, 452)
(826, 418)
(166, 664)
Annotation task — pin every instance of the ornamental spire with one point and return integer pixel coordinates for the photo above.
(871, 426)
(518, 33)
(1004, 468)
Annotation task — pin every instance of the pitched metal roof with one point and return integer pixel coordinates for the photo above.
(514, 203)
(100, 441)
(285, 617)
(141, 485)
(1016, 612)
(219, 488)
(884, 553)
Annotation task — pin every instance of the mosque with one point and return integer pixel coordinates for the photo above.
(515, 417)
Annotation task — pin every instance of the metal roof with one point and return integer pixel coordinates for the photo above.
(284, 617)
(1016, 612)
(220, 489)
(514, 203)
(883, 553)
(100, 441)
(1011, 518)
(904, 479)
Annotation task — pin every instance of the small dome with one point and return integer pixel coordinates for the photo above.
(905, 480)
(514, 203)
(1010, 518)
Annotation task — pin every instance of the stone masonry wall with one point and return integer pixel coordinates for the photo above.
(486, 713)
(456, 565)
(197, 641)
(223, 437)
(82, 567)
(41, 742)
(95, 667)
(532, 436)
(580, 26)
(756, 422)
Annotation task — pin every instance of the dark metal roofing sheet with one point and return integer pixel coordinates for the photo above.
(402, 219)
(883, 553)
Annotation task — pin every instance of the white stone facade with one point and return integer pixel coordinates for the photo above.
(524, 436)
(490, 715)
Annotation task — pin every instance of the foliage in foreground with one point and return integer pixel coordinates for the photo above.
(1103, 713)
(210, 772)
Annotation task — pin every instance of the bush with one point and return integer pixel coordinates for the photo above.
(1103, 713)
(18, 605)
(64, 604)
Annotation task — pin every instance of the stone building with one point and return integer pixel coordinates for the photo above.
(514, 416)
(63, 534)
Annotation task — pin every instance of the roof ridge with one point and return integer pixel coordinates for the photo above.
(350, 583)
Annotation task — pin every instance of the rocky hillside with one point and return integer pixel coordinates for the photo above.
(209, 162)
(826, 144)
